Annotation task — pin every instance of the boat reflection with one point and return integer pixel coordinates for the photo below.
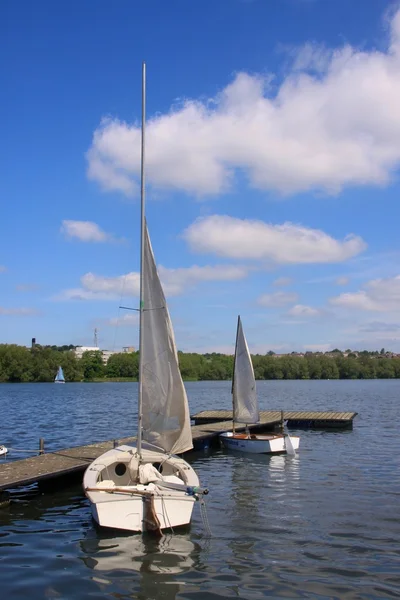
(141, 565)
(260, 484)
(172, 553)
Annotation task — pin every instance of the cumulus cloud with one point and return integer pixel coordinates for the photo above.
(85, 231)
(380, 295)
(286, 244)
(175, 282)
(333, 121)
(100, 287)
(277, 299)
(18, 312)
(301, 310)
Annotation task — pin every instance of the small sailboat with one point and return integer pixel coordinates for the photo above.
(3, 450)
(245, 409)
(60, 376)
(147, 487)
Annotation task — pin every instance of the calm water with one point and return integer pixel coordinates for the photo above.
(325, 524)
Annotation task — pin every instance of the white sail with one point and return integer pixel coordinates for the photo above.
(166, 418)
(244, 392)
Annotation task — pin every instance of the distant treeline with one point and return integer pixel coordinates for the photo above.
(40, 363)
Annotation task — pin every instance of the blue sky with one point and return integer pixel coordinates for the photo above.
(273, 159)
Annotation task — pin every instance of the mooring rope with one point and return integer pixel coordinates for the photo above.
(204, 517)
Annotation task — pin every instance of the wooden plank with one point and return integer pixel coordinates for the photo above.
(52, 464)
(275, 414)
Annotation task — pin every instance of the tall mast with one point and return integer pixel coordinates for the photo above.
(233, 376)
(142, 235)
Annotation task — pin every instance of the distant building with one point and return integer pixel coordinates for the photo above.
(79, 350)
(106, 355)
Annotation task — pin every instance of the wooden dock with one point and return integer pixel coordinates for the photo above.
(297, 419)
(49, 468)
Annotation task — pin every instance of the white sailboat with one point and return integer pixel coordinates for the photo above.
(59, 378)
(3, 450)
(245, 409)
(148, 487)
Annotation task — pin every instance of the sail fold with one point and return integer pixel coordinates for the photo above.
(166, 418)
(244, 392)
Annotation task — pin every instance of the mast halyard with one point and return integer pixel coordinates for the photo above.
(142, 234)
(233, 377)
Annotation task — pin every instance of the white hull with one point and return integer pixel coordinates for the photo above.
(3, 450)
(59, 381)
(126, 507)
(257, 444)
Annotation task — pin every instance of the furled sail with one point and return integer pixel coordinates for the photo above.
(166, 418)
(244, 385)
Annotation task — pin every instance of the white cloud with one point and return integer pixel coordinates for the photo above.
(175, 282)
(277, 299)
(342, 281)
(381, 295)
(18, 312)
(3, 269)
(282, 281)
(286, 244)
(333, 121)
(99, 287)
(85, 231)
(301, 310)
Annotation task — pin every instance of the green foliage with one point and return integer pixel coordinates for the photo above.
(92, 365)
(21, 364)
(123, 365)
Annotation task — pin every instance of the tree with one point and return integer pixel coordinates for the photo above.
(123, 364)
(92, 364)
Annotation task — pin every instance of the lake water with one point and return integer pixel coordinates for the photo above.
(325, 524)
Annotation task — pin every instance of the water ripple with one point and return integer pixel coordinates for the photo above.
(324, 524)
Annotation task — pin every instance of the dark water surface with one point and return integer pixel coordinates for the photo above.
(325, 524)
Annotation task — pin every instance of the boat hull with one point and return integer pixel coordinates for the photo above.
(128, 513)
(257, 444)
(118, 503)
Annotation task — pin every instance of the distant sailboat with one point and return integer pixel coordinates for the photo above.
(245, 409)
(60, 376)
